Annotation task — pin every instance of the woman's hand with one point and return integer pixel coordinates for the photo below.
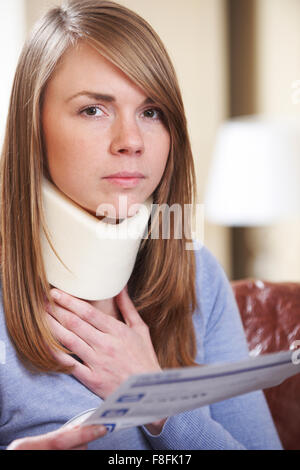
(67, 438)
(111, 350)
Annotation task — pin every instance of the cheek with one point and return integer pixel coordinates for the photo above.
(66, 149)
(162, 151)
(56, 138)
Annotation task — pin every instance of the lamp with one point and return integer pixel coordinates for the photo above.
(254, 179)
(255, 173)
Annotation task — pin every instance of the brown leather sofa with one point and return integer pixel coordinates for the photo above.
(271, 317)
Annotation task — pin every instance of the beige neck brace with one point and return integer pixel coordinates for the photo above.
(100, 257)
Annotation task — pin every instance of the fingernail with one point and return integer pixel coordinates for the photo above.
(55, 294)
(99, 430)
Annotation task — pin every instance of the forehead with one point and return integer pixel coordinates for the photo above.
(82, 68)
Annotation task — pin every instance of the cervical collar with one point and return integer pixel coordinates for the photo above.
(99, 256)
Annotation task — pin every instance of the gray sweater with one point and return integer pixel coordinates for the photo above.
(33, 404)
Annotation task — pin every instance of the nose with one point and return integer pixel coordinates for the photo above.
(127, 138)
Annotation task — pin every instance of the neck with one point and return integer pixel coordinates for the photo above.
(107, 306)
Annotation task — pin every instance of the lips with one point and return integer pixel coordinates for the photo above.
(126, 174)
(125, 179)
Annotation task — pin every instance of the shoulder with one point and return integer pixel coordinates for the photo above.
(215, 296)
(223, 330)
(211, 284)
(211, 279)
(207, 264)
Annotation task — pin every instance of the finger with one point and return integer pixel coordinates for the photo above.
(70, 341)
(63, 439)
(82, 372)
(87, 312)
(80, 337)
(31, 443)
(77, 437)
(128, 310)
(73, 323)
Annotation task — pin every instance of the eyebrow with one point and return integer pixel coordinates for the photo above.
(102, 97)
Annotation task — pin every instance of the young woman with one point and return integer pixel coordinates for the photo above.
(95, 94)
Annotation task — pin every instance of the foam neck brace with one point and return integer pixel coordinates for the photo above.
(99, 257)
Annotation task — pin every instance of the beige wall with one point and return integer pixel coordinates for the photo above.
(12, 32)
(276, 249)
(196, 41)
(36, 8)
(278, 55)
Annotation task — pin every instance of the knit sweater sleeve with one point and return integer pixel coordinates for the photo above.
(242, 422)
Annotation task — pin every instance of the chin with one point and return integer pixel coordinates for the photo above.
(121, 206)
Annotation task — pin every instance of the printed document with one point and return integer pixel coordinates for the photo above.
(147, 398)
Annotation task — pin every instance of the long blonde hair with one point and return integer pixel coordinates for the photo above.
(162, 284)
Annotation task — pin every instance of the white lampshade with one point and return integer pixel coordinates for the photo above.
(255, 174)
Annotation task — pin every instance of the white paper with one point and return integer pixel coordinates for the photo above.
(146, 398)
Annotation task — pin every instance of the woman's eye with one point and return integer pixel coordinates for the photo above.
(153, 113)
(95, 111)
(92, 111)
